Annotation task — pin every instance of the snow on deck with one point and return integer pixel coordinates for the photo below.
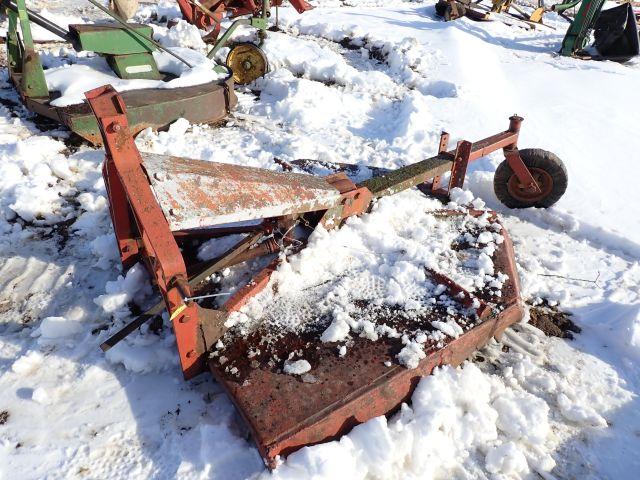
(373, 83)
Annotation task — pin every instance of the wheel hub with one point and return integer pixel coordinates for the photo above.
(247, 62)
(526, 194)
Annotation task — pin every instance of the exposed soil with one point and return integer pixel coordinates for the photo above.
(4, 416)
(552, 321)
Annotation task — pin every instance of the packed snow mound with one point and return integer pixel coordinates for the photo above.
(52, 328)
(309, 59)
(162, 10)
(32, 187)
(182, 34)
(467, 421)
(380, 260)
(297, 367)
(72, 80)
(133, 285)
(40, 34)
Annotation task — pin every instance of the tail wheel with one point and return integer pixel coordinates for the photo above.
(548, 171)
(247, 62)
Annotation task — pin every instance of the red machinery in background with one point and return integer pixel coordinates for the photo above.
(246, 60)
(209, 13)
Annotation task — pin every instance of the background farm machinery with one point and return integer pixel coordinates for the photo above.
(246, 60)
(615, 29)
(128, 49)
(160, 203)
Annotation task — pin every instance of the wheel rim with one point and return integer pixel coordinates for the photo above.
(247, 62)
(519, 191)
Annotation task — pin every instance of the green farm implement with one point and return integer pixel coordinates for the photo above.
(615, 30)
(128, 50)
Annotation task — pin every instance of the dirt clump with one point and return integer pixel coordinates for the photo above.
(552, 321)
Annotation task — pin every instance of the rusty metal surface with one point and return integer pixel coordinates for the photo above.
(151, 107)
(455, 161)
(525, 178)
(409, 176)
(460, 163)
(160, 252)
(285, 412)
(196, 193)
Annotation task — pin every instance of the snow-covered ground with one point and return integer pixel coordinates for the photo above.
(363, 82)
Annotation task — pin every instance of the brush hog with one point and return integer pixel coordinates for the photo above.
(307, 350)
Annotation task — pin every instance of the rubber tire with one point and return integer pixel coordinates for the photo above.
(538, 158)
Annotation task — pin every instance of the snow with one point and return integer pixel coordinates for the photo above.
(121, 291)
(380, 97)
(297, 367)
(375, 265)
(462, 420)
(40, 34)
(72, 80)
(57, 327)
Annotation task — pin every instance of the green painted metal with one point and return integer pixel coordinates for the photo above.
(224, 38)
(32, 82)
(409, 176)
(14, 47)
(25, 26)
(127, 27)
(135, 65)
(577, 35)
(260, 22)
(113, 39)
(157, 108)
(563, 7)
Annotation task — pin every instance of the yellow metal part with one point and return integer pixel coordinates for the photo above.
(536, 16)
(500, 6)
(247, 62)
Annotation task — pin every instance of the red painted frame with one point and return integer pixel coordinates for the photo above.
(143, 233)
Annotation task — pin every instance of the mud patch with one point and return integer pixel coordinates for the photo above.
(552, 321)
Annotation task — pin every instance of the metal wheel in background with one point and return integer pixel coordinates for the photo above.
(247, 62)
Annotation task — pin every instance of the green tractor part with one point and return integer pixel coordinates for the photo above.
(615, 31)
(128, 49)
(21, 54)
(129, 56)
(577, 36)
(246, 60)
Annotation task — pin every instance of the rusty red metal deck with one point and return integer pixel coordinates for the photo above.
(285, 412)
